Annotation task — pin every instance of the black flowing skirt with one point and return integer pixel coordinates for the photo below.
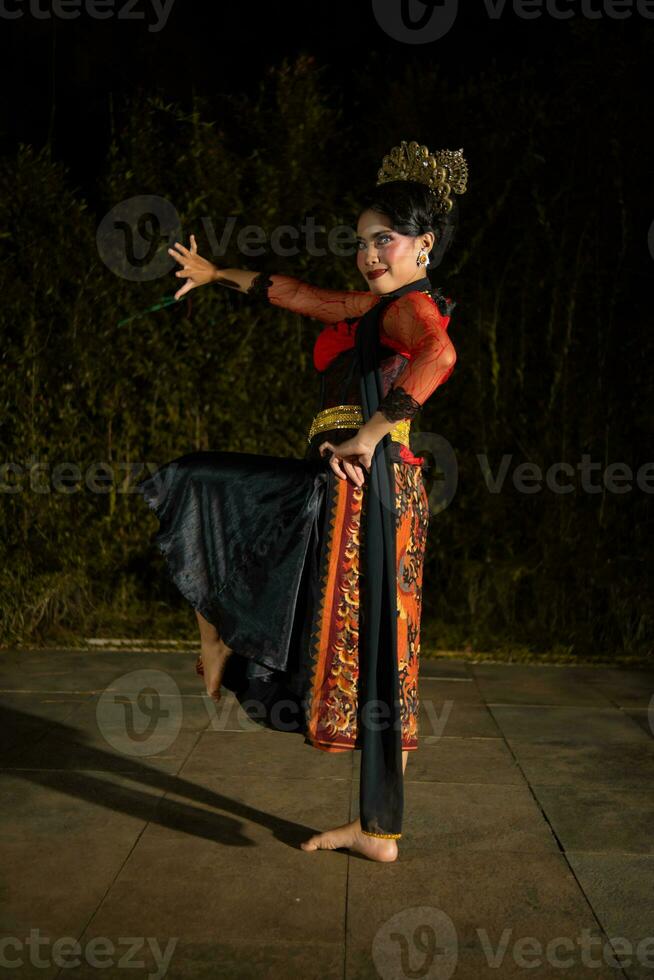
(240, 534)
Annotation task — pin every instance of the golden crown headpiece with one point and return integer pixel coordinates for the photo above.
(445, 172)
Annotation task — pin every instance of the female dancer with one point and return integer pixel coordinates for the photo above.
(306, 578)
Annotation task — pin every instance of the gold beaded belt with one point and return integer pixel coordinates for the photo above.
(351, 417)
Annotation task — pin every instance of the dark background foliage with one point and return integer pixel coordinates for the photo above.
(550, 271)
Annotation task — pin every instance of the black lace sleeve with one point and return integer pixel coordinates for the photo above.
(259, 286)
(398, 404)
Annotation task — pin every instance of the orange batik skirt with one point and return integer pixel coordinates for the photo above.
(331, 694)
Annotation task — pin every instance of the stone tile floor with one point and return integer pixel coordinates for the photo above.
(160, 832)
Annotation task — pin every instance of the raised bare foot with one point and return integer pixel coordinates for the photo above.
(213, 657)
(351, 836)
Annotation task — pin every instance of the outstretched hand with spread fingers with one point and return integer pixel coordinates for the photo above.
(198, 271)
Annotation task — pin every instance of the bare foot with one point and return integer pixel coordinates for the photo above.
(211, 665)
(351, 836)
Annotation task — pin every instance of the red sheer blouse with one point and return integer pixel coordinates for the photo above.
(411, 326)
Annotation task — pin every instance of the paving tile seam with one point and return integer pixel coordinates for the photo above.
(605, 932)
(593, 794)
(612, 853)
(99, 651)
(100, 690)
(60, 700)
(9, 690)
(232, 731)
(444, 677)
(275, 777)
(561, 849)
(603, 665)
(465, 738)
(112, 772)
(262, 943)
(268, 733)
(581, 742)
(457, 782)
(536, 801)
(64, 971)
(551, 704)
(596, 710)
(584, 740)
(216, 774)
(125, 651)
(280, 775)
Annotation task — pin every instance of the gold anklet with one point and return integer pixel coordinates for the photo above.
(368, 833)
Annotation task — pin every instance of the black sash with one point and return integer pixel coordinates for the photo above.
(381, 793)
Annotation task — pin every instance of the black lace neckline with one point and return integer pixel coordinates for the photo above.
(422, 284)
(445, 307)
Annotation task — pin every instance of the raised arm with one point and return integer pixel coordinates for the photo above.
(326, 305)
(415, 321)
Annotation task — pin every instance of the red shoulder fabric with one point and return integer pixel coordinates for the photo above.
(331, 342)
(341, 336)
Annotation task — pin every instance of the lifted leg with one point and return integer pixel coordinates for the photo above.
(213, 656)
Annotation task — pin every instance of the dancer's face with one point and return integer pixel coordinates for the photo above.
(380, 247)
